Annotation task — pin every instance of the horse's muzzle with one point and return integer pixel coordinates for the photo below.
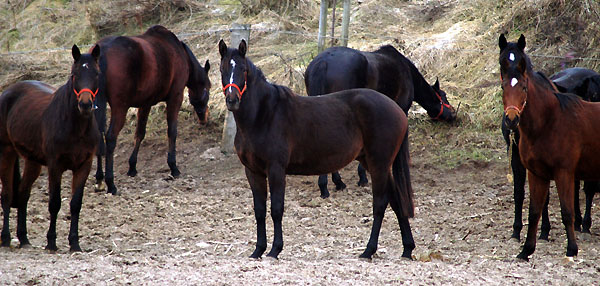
(512, 120)
(85, 107)
(202, 116)
(232, 100)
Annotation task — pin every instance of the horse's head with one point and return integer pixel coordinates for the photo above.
(514, 66)
(590, 88)
(447, 112)
(198, 85)
(234, 73)
(84, 78)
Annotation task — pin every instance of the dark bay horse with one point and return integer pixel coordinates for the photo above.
(280, 133)
(52, 128)
(553, 143)
(385, 70)
(586, 84)
(142, 71)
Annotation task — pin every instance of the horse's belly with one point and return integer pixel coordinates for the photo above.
(315, 164)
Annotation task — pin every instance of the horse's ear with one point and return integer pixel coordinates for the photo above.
(502, 42)
(75, 52)
(243, 48)
(96, 52)
(222, 48)
(521, 43)
(206, 66)
(436, 85)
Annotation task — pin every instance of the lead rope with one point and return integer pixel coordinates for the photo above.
(511, 140)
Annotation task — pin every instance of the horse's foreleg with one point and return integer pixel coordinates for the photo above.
(30, 173)
(258, 184)
(276, 179)
(77, 186)
(172, 115)
(519, 174)
(538, 190)
(564, 184)
(117, 120)
(380, 202)
(100, 115)
(54, 177)
(7, 169)
(140, 133)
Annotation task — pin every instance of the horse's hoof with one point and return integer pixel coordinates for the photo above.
(523, 257)
(113, 192)
(363, 183)
(341, 186)
(132, 173)
(51, 248)
(75, 248)
(325, 195)
(170, 178)
(567, 260)
(100, 187)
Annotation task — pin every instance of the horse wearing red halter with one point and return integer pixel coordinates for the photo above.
(558, 137)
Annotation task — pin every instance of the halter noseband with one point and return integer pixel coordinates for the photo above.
(78, 94)
(241, 92)
(442, 103)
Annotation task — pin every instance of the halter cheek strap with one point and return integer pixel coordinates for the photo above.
(442, 103)
(241, 92)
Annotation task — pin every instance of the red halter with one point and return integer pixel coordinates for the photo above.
(241, 92)
(93, 93)
(442, 104)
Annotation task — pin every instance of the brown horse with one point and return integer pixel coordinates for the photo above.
(142, 71)
(280, 133)
(52, 128)
(558, 138)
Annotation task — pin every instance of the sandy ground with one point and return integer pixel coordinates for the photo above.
(200, 229)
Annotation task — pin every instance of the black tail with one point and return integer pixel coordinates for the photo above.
(101, 100)
(314, 79)
(401, 173)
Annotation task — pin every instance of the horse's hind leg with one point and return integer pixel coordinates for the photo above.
(362, 176)
(337, 180)
(380, 201)
(140, 133)
(407, 239)
(564, 184)
(276, 179)
(8, 162)
(30, 173)
(172, 115)
(323, 186)
(545, 228)
(590, 189)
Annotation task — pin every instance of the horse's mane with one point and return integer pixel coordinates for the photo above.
(195, 66)
(61, 111)
(283, 91)
(566, 101)
(390, 51)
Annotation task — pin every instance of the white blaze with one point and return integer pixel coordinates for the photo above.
(511, 57)
(232, 70)
(85, 65)
(513, 82)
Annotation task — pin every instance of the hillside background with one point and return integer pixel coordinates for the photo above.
(455, 41)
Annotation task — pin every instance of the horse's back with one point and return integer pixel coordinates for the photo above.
(568, 79)
(143, 70)
(21, 108)
(336, 69)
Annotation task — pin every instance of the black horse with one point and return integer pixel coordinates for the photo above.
(586, 84)
(385, 70)
(55, 128)
(280, 133)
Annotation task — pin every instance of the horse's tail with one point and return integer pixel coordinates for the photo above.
(315, 79)
(403, 189)
(16, 177)
(101, 100)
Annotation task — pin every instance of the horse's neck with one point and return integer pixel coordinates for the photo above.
(425, 95)
(539, 110)
(256, 104)
(64, 114)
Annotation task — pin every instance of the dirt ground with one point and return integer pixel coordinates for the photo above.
(200, 229)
